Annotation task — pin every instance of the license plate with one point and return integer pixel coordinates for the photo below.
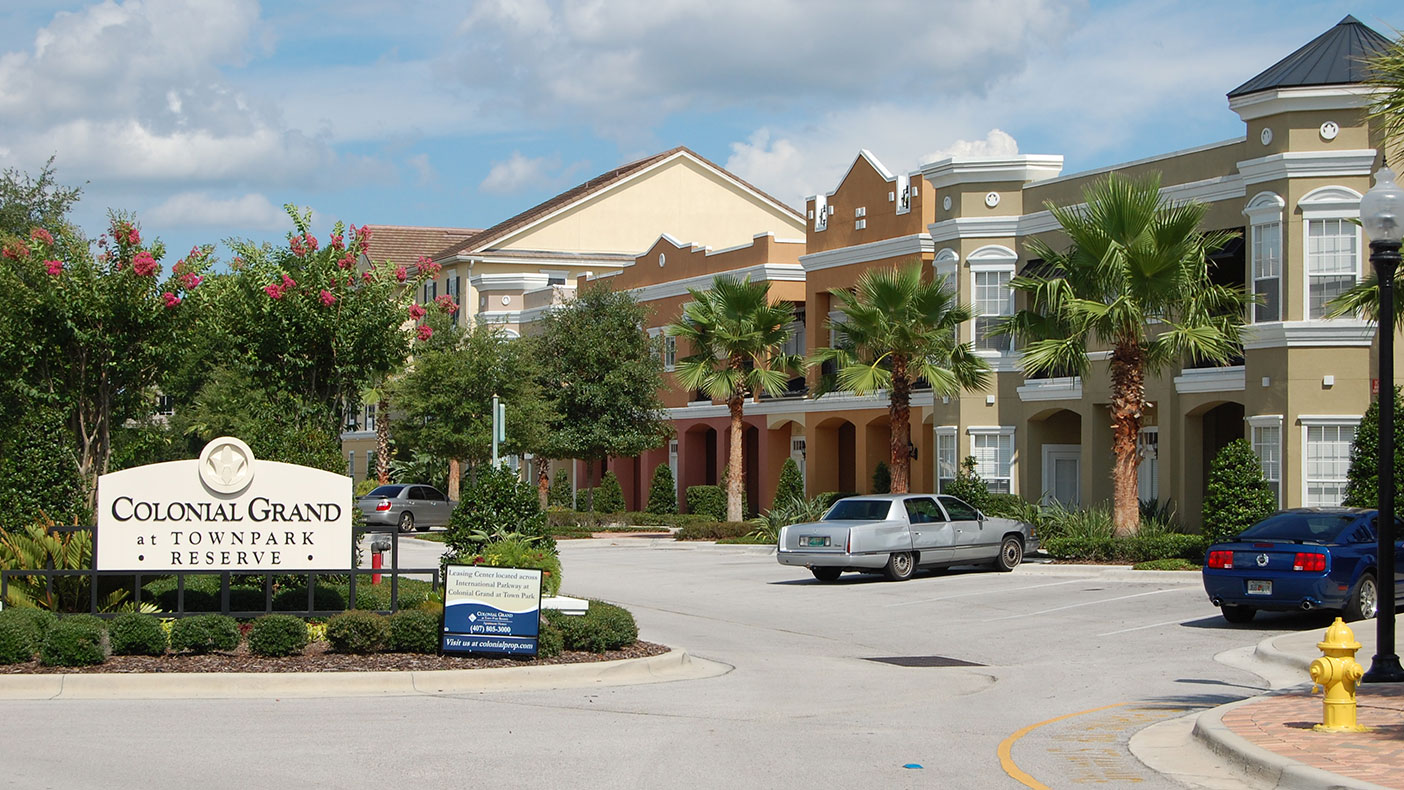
(813, 540)
(1259, 588)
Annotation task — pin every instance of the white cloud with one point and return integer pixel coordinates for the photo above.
(996, 143)
(424, 171)
(520, 173)
(201, 210)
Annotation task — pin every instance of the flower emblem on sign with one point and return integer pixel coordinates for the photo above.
(226, 466)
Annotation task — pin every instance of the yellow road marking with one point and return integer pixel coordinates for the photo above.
(1006, 747)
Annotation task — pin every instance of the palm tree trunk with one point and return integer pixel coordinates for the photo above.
(1127, 401)
(899, 412)
(733, 482)
(382, 441)
(543, 480)
(455, 472)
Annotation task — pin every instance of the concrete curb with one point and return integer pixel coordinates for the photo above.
(671, 666)
(1287, 773)
(1268, 652)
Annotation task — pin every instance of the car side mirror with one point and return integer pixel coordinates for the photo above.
(980, 514)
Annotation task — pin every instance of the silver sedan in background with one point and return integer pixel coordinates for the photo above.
(409, 507)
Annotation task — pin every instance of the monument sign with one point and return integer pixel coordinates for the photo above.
(227, 511)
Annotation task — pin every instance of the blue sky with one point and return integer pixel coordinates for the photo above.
(205, 116)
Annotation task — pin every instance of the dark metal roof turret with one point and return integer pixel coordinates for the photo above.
(1335, 57)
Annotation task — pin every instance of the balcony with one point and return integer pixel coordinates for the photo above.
(1230, 378)
(550, 296)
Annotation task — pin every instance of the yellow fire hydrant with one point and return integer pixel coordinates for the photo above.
(1337, 673)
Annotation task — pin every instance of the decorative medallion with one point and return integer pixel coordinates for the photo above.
(226, 465)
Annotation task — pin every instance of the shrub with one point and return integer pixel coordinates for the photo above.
(413, 631)
(516, 554)
(36, 621)
(278, 635)
(609, 497)
(18, 641)
(791, 483)
(1362, 479)
(366, 486)
(785, 513)
(709, 501)
(204, 633)
(715, 530)
(549, 640)
(585, 499)
(603, 627)
(1237, 496)
(245, 599)
(137, 634)
(662, 493)
(357, 632)
(559, 494)
(294, 599)
(969, 486)
(74, 642)
(1171, 564)
(495, 506)
(882, 478)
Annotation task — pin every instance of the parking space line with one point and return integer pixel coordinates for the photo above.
(1086, 603)
(1152, 625)
(1006, 747)
(985, 592)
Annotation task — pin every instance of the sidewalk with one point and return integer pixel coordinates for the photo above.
(1271, 736)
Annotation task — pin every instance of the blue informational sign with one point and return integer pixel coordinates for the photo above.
(491, 610)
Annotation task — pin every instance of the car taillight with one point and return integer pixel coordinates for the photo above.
(1309, 561)
(384, 505)
(1220, 559)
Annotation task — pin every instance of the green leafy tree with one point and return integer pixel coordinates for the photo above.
(968, 486)
(445, 396)
(736, 336)
(598, 368)
(496, 506)
(38, 476)
(882, 478)
(790, 486)
(1134, 259)
(1237, 496)
(559, 495)
(896, 329)
(609, 496)
(662, 492)
(1362, 479)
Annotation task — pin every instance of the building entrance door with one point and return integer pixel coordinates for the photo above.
(1062, 474)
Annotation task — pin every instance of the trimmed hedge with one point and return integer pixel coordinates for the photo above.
(715, 530)
(1136, 548)
(550, 642)
(357, 632)
(325, 598)
(609, 497)
(413, 631)
(137, 634)
(278, 635)
(709, 501)
(603, 627)
(18, 641)
(204, 633)
(662, 494)
(74, 642)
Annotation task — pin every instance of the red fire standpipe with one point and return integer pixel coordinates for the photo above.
(376, 563)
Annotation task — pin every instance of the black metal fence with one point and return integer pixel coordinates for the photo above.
(92, 575)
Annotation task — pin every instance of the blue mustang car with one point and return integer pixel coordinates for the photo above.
(1300, 559)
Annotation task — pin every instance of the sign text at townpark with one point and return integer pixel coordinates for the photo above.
(225, 511)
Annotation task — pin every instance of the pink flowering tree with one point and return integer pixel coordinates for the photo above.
(94, 326)
(292, 336)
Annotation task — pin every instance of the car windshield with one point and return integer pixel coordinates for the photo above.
(386, 491)
(859, 510)
(1301, 527)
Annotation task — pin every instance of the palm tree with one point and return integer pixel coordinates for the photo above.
(1134, 259)
(1386, 76)
(898, 329)
(736, 336)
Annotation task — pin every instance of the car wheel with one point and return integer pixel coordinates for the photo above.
(407, 522)
(1237, 614)
(1365, 601)
(899, 567)
(826, 574)
(1011, 553)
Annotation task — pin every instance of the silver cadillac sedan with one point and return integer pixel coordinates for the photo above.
(410, 507)
(898, 533)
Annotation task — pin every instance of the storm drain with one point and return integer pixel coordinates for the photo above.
(924, 661)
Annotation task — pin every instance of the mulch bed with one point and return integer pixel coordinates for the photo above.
(317, 658)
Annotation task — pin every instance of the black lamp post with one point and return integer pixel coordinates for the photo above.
(1380, 213)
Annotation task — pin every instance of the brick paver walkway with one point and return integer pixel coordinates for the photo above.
(1283, 724)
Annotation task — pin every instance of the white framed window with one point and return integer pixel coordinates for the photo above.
(993, 448)
(994, 300)
(946, 462)
(555, 276)
(1326, 458)
(1148, 472)
(655, 343)
(370, 463)
(837, 318)
(351, 464)
(670, 352)
(370, 417)
(1266, 436)
(165, 405)
(1264, 213)
(1331, 244)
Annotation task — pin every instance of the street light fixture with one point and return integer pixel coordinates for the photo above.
(1382, 214)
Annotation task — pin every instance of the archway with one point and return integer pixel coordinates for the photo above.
(1055, 457)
